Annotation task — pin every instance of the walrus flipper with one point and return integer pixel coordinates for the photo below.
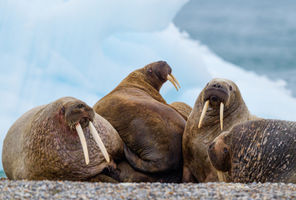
(150, 166)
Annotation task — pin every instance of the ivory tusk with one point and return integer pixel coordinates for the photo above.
(221, 176)
(169, 77)
(221, 115)
(203, 113)
(99, 141)
(83, 142)
(176, 81)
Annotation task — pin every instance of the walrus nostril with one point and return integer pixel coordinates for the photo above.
(217, 85)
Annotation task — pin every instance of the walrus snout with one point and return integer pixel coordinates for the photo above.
(216, 94)
(79, 113)
(163, 73)
(219, 155)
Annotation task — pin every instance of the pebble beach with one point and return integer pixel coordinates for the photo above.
(85, 190)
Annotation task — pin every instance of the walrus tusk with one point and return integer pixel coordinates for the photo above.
(221, 176)
(171, 79)
(99, 141)
(83, 142)
(221, 115)
(176, 80)
(203, 113)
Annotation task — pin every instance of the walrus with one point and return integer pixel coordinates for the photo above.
(126, 173)
(183, 108)
(150, 128)
(257, 151)
(63, 140)
(219, 107)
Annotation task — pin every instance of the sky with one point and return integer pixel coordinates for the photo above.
(84, 48)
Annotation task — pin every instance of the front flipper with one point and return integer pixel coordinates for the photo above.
(149, 166)
(110, 175)
(188, 176)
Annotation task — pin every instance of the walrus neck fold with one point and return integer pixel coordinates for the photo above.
(138, 79)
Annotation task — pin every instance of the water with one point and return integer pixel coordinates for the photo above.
(256, 35)
(2, 174)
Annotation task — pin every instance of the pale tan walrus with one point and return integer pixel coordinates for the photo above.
(218, 108)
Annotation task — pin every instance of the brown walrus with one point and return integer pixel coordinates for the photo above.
(219, 106)
(257, 151)
(60, 141)
(126, 173)
(150, 128)
(183, 108)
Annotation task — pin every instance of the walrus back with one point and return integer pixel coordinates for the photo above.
(13, 154)
(183, 108)
(264, 151)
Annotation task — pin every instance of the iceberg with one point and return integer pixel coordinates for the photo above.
(84, 48)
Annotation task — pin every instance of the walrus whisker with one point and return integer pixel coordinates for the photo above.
(203, 113)
(221, 115)
(169, 77)
(99, 141)
(83, 142)
(176, 80)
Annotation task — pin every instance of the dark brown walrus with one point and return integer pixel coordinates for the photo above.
(55, 142)
(128, 174)
(150, 128)
(257, 151)
(219, 107)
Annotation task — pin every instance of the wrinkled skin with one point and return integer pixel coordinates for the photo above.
(197, 167)
(150, 128)
(43, 143)
(257, 151)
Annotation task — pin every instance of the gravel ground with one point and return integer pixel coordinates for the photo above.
(83, 190)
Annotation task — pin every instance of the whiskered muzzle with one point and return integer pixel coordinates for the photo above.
(204, 111)
(97, 139)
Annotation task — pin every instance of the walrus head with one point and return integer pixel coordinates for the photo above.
(219, 95)
(158, 73)
(78, 115)
(220, 153)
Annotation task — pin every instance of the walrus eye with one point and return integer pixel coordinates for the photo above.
(230, 88)
(225, 150)
(80, 106)
(63, 110)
